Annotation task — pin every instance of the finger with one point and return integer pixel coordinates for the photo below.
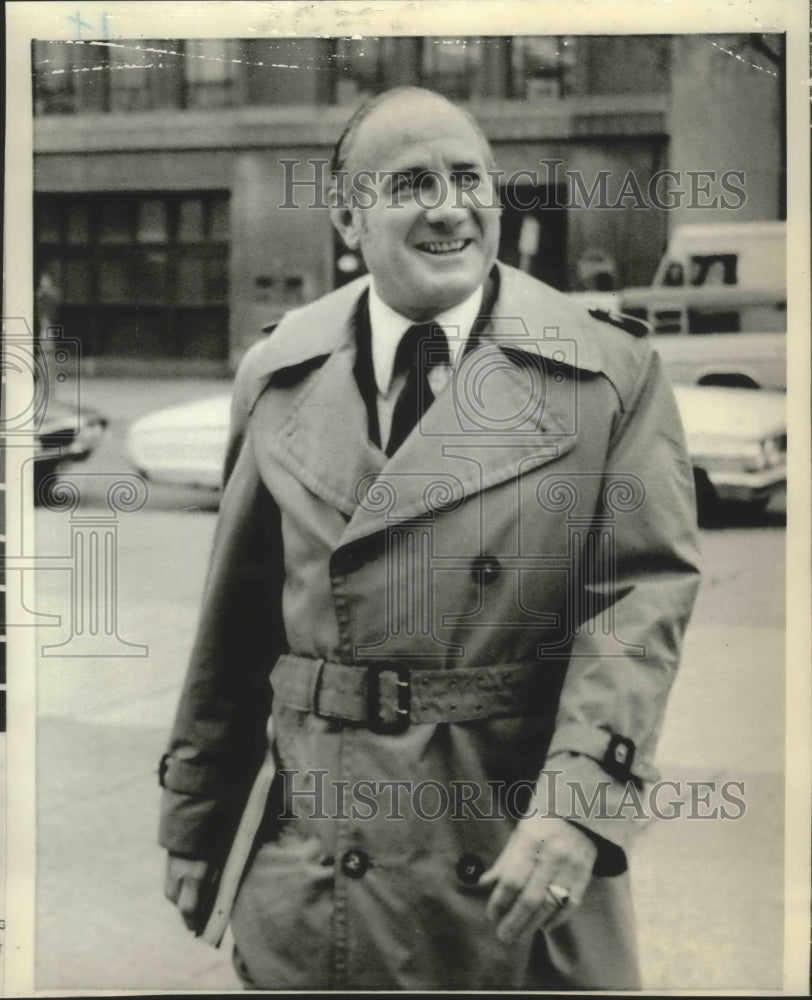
(491, 875)
(559, 916)
(536, 906)
(512, 869)
(171, 885)
(577, 883)
(532, 907)
(514, 873)
(572, 874)
(188, 899)
(561, 861)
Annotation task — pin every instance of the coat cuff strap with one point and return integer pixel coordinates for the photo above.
(616, 754)
(190, 778)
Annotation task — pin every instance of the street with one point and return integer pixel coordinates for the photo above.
(708, 892)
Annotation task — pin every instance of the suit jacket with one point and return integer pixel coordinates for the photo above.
(541, 512)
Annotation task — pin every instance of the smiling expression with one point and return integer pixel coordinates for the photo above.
(422, 208)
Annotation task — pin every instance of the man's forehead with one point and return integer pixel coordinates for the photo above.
(400, 127)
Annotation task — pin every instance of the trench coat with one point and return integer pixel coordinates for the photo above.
(542, 514)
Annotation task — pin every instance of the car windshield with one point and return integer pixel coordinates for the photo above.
(713, 269)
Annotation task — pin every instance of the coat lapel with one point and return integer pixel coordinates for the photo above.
(490, 424)
(317, 430)
(487, 426)
(324, 438)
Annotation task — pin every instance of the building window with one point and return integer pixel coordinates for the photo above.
(132, 68)
(55, 72)
(453, 66)
(98, 76)
(77, 229)
(142, 275)
(541, 67)
(359, 68)
(152, 221)
(190, 220)
(211, 71)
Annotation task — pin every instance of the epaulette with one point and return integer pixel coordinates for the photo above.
(636, 327)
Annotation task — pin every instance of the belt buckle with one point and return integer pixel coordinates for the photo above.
(402, 721)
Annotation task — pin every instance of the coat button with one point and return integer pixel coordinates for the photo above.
(354, 864)
(469, 868)
(486, 568)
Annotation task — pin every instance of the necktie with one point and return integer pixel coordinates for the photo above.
(421, 348)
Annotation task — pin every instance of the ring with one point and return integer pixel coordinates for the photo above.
(559, 895)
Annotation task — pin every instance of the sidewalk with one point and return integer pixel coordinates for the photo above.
(103, 923)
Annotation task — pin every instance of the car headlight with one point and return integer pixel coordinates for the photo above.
(774, 450)
(751, 456)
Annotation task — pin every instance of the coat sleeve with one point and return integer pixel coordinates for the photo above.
(218, 739)
(624, 657)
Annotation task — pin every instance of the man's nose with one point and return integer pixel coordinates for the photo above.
(443, 203)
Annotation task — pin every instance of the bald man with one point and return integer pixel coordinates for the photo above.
(455, 559)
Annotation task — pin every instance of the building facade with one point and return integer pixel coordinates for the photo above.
(179, 204)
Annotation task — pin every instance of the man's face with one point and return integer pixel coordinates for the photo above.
(423, 211)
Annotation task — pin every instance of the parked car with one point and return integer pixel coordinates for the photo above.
(183, 445)
(64, 435)
(736, 439)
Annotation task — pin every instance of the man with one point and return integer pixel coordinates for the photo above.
(468, 576)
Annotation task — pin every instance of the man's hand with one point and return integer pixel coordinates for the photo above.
(541, 852)
(184, 879)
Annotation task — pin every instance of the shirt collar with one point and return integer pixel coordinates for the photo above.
(389, 326)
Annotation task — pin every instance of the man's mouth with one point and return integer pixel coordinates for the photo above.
(441, 248)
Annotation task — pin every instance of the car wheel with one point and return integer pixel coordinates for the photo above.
(748, 512)
(730, 380)
(44, 481)
(709, 508)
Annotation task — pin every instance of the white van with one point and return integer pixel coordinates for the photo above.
(747, 254)
(717, 305)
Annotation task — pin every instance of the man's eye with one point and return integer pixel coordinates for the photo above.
(427, 182)
(467, 178)
(406, 181)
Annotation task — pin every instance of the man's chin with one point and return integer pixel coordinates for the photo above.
(444, 297)
(424, 292)
(453, 284)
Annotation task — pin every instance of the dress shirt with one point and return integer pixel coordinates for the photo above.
(388, 327)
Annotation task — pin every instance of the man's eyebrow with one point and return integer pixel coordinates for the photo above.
(417, 169)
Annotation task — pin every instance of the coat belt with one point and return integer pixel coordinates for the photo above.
(388, 697)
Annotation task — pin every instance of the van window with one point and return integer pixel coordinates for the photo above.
(713, 269)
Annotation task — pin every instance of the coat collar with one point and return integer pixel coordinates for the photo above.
(482, 429)
(535, 312)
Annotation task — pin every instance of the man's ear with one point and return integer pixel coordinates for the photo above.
(345, 221)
